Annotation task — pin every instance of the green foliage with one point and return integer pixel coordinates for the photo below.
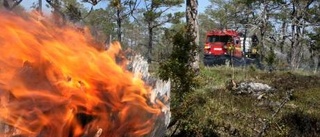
(159, 3)
(271, 57)
(164, 46)
(157, 12)
(73, 13)
(198, 121)
(315, 39)
(223, 12)
(101, 24)
(234, 14)
(177, 68)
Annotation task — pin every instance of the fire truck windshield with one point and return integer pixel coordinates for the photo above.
(223, 39)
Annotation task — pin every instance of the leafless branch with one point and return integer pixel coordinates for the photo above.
(161, 23)
(134, 17)
(91, 9)
(7, 5)
(146, 5)
(175, 130)
(93, 2)
(55, 7)
(309, 3)
(132, 7)
(266, 123)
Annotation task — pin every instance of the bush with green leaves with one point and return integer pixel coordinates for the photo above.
(178, 68)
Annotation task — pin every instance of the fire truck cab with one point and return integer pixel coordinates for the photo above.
(221, 46)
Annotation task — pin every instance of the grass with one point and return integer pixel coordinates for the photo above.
(214, 110)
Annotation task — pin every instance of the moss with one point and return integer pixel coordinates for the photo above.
(300, 124)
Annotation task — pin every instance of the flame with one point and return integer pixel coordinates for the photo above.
(53, 83)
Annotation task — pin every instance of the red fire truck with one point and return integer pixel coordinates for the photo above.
(222, 47)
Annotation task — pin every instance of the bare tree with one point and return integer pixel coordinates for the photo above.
(298, 26)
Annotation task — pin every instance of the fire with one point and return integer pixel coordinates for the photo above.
(53, 83)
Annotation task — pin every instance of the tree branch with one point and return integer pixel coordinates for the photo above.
(266, 123)
(16, 3)
(93, 2)
(88, 13)
(7, 5)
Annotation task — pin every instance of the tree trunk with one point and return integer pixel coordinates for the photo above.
(58, 16)
(119, 21)
(149, 54)
(283, 36)
(40, 7)
(263, 30)
(317, 64)
(298, 28)
(295, 32)
(244, 40)
(193, 28)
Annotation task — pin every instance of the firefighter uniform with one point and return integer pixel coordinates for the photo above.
(230, 48)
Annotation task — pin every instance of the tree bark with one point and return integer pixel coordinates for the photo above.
(58, 16)
(40, 7)
(298, 28)
(119, 21)
(245, 34)
(150, 32)
(263, 29)
(283, 36)
(193, 28)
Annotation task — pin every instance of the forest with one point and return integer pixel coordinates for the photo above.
(287, 30)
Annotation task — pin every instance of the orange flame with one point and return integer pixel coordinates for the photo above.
(58, 85)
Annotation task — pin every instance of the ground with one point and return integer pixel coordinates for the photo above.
(214, 109)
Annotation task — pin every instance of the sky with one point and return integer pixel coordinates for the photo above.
(202, 4)
(28, 3)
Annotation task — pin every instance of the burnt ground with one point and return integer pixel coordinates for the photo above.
(289, 80)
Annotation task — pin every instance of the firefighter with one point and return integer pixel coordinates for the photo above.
(230, 50)
(254, 48)
(230, 47)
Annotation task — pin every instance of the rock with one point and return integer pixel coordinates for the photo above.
(256, 89)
